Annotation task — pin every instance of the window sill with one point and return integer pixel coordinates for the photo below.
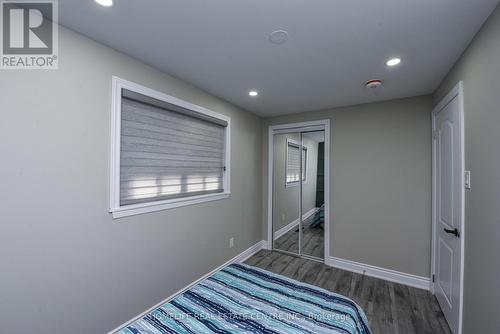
(137, 209)
(294, 184)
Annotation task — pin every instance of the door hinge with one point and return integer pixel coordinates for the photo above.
(434, 135)
(433, 278)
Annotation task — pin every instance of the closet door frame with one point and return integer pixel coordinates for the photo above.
(318, 125)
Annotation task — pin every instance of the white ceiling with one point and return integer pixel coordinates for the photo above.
(334, 46)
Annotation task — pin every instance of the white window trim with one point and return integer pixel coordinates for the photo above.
(114, 194)
(295, 183)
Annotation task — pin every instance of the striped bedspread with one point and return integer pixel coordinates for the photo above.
(245, 299)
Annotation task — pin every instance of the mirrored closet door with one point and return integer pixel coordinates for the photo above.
(298, 192)
(286, 192)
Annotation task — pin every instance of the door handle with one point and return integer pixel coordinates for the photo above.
(454, 232)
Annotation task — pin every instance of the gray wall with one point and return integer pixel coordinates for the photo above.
(286, 199)
(479, 68)
(380, 181)
(66, 266)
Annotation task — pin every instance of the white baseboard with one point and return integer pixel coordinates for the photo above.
(237, 259)
(284, 230)
(243, 256)
(382, 273)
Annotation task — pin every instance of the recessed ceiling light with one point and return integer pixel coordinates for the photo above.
(278, 37)
(253, 93)
(393, 62)
(105, 3)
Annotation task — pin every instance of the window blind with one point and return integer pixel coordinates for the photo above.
(167, 153)
(293, 163)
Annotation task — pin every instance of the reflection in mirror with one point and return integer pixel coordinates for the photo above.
(313, 188)
(286, 192)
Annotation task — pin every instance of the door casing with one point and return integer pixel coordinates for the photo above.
(302, 126)
(456, 92)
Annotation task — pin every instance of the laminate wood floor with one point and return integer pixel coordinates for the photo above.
(390, 307)
(313, 242)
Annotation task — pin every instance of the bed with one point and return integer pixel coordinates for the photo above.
(245, 299)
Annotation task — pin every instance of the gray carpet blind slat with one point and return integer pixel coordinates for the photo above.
(166, 154)
(293, 162)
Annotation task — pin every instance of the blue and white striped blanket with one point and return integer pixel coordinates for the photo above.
(245, 299)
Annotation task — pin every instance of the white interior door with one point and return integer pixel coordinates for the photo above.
(448, 204)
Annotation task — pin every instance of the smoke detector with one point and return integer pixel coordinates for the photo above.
(372, 84)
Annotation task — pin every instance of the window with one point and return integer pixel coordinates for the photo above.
(293, 163)
(165, 152)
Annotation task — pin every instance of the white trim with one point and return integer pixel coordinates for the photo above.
(379, 272)
(458, 90)
(270, 150)
(137, 209)
(327, 203)
(114, 194)
(245, 255)
(300, 126)
(286, 128)
(285, 229)
(282, 231)
(237, 259)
